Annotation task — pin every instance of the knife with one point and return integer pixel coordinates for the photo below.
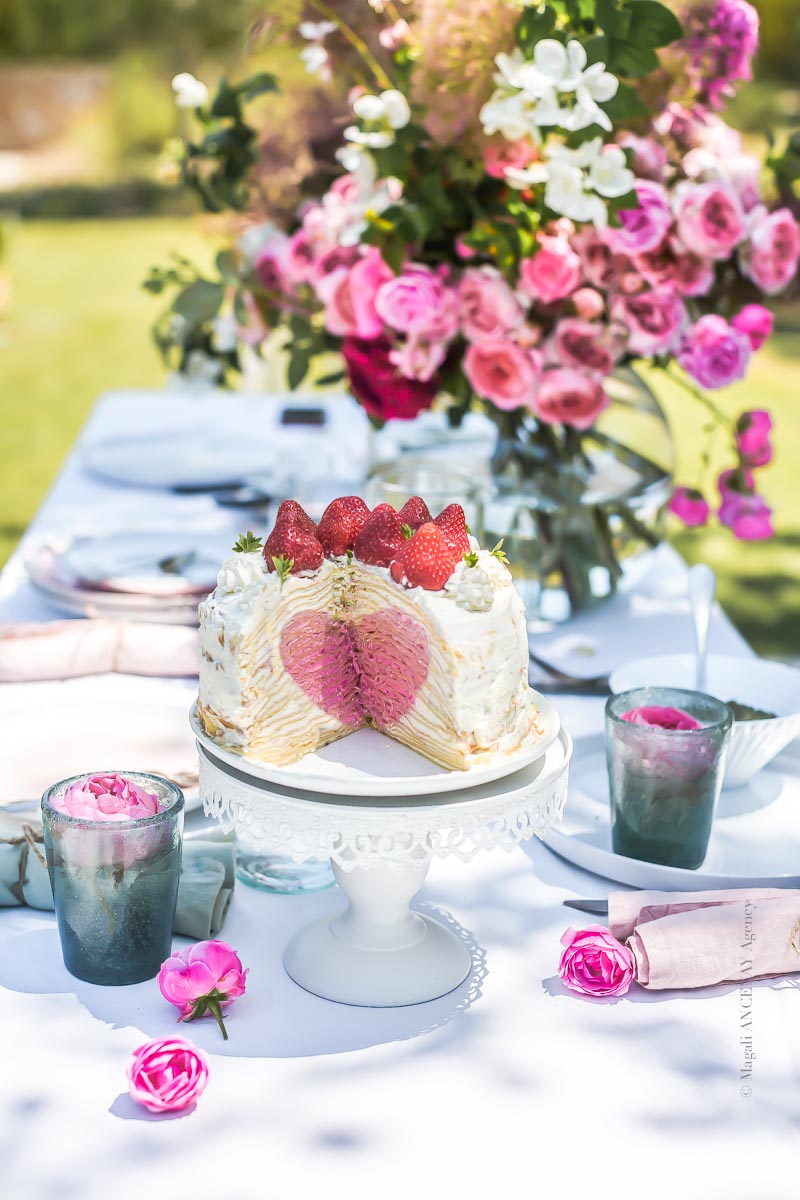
(598, 908)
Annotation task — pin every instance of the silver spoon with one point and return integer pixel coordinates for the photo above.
(702, 585)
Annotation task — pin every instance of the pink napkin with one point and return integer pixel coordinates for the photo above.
(694, 939)
(65, 649)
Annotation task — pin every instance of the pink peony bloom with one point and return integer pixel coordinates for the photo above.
(749, 517)
(167, 1074)
(502, 372)
(599, 266)
(553, 272)
(418, 359)
(349, 297)
(654, 319)
(569, 397)
(499, 155)
(755, 322)
(594, 963)
(644, 228)
(378, 385)
(752, 438)
(206, 977)
(714, 353)
(588, 303)
(670, 266)
(660, 716)
(109, 797)
(649, 156)
(585, 344)
(709, 217)
(487, 306)
(418, 301)
(771, 256)
(689, 506)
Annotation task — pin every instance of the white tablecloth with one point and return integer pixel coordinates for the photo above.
(506, 1088)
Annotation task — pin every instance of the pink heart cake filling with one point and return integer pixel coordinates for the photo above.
(373, 667)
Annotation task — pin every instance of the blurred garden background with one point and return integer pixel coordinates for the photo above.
(89, 200)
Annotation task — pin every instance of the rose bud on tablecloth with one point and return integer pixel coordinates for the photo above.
(204, 978)
(595, 963)
(167, 1074)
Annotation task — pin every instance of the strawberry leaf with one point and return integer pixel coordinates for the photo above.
(246, 543)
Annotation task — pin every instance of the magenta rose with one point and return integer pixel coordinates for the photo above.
(349, 297)
(660, 716)
(739, 480)
(752, 438)
(755, 322)
(771, 256)
(205, 978)
(553, 272)
(644, 228)
(710, 218)
(502, 372)
(378, 385)
(714, 353)
(689, 506)
(594, 963)
(418, 359)
(585, 344)
(499, 155)
(418, 301)
(654, 319)
(109, 797)
(270, 267)
(748, 516)
(167, 1074)
(487, 307)
(569, 397)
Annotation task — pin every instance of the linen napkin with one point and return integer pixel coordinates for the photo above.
(204, 892)
(66, 649)
(695, 939)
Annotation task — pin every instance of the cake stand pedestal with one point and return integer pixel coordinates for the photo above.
(377, 952)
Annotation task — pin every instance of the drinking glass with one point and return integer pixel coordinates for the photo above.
(438, 482)
(665, 783)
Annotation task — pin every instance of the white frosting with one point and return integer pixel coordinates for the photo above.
(242, 570)
(471, 588)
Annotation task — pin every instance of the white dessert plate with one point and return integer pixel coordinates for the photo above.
(202, 458)
(755, 838)
(368, 764)
(155, 563)
(57, 730)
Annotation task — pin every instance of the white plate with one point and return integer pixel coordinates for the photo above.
(755, 838)
(129, 562)
(369, 764)
(201, 458)
(68, 733)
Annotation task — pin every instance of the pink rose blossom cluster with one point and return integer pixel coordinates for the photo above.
(721, 42)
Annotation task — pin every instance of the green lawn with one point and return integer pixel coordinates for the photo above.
(78, 324)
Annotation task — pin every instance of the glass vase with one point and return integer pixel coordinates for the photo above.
(115, 884)
(579, 510)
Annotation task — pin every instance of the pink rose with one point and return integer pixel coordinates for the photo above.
(418, 301)
(749, 517)
(487, 306)
(553, 272)
(378, 385)
(601, 268)
(270, 267)
(585, 344)
(588, 303)
(752, 438)
(689, 506)
(644, 228)
(771, 256)
(206, 977)
(106, 798)
(655, 320)
(755, 322)
(499, 155)
(594, 963)
(568, 397)
(502, 372)
(167, 1074)
(714, 353)
(649, 156)
(418, 359)
(670, 266)
(349, 297)
(661, 717)
(710, 218)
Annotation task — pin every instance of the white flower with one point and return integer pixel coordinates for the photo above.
(316, 58)
(189, 92)
(201, 368)
(609, 174)
(398, 113)
(224, 334)
(377, 140)
(315, 31)
(390, 109)
(507, 115)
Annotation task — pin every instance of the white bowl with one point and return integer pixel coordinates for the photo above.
(771, 686)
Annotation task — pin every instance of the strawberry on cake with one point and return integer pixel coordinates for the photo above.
(390, 619)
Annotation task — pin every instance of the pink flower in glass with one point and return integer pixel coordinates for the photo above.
(661, 716)
(689, 506)
(205, 978)
(594, 963)
(167, 1074)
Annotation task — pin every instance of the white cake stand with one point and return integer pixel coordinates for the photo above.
(376, 952)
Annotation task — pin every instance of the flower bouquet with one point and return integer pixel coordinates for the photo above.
(527, 202)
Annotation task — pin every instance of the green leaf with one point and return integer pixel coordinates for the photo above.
(653, 24)
(626, 58)
(627, 105)
(226, 102)
(612, 18)
(535, 24)
(257, 85)
(283, 566)
(330, 379)
(246, 543)
(298, 368)
(225, 262)
(597, 49)
(471, 558)
(200, 301)
(499, 553)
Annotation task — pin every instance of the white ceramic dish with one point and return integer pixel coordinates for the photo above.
(755, 838)
(130, 562)
(368, 764)
(771, 686)
(206, 458)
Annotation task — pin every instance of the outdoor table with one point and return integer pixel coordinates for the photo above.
(508, 1087)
